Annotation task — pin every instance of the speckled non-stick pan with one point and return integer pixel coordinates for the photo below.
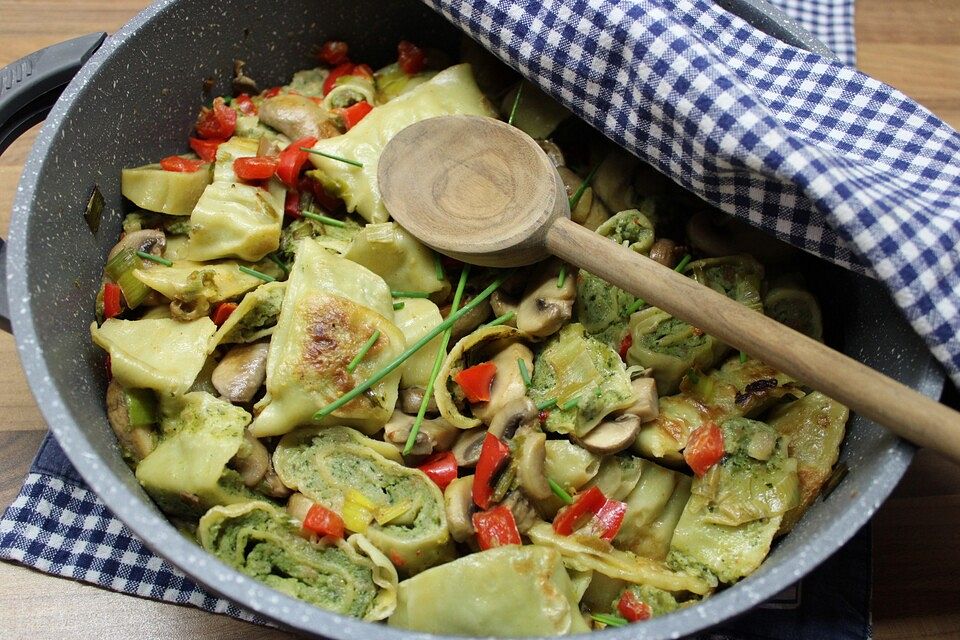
(135, 99)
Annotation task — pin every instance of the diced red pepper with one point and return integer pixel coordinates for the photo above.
(180, 165)
(363, 70)
(206, 149)
(334, 52)
(272, 92)
(255, 167)
(292, 160)
(571, 518)
(704, 448)
(355, 113)
(494, 454)
(496, 528)
(218, 122)
(112, 306)
(441, 468)
(320, 195)
(323, 522)
(410, 57)
(609, 518)
(344, 69)
(291, 204)
(476, 381)
(544, 415)
(625, 345)
(632, 608)
(245, 105)
(223, 311)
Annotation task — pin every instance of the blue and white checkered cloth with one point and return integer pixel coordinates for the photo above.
(821, 155)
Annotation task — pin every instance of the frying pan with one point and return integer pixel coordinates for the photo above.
(133, 99)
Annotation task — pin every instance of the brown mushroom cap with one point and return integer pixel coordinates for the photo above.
(514, 414)
(410, 399)
(531, 464)
(612, 436)
(252, 461)
(135, 442)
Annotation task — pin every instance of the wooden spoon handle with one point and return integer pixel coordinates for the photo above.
(899, 408)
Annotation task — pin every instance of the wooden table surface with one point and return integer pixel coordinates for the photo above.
(911, 44)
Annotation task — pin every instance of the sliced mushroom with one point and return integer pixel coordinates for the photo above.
(647, 405)
(545, 307)
(242, 83)
(553, 152)
(458, 504)
(613, 435)
(514, 414)
(508, 384)
(467, 447)
(531, 464)
(150, 241)
(434, 435)
(467, 323)
(501, 304)
(135, 441)
(242, 371)
(296, 117)
(523, 512)
(410, 399)
(252, 460)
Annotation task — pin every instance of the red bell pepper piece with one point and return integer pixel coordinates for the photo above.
(625, 345)
(586, 506)
(206, 149)
(363, 70)
(180, 165)
(410, 58)
(245, 105)
(292, 160)
(320, 195)
(291, 204)
(494, 454)
(632, 608)
(256, 167)
(223, 311)
(344, 69)
(323, 522)
(609, 518)
(334, 52)
(496, 528)
(112, 306)
(355, 113)
(476, 381)
(218, 122)
(441, 468)
(704, 448)
(272, 92)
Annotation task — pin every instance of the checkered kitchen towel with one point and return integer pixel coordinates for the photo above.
(823, 156)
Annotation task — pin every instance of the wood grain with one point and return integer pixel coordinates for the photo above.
(916, 558)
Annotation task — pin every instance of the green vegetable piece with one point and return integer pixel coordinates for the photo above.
(660, 602)
(141, 407)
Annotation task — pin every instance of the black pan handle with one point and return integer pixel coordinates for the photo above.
(29, 87)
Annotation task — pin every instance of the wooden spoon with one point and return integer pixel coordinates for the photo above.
(483, 192)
